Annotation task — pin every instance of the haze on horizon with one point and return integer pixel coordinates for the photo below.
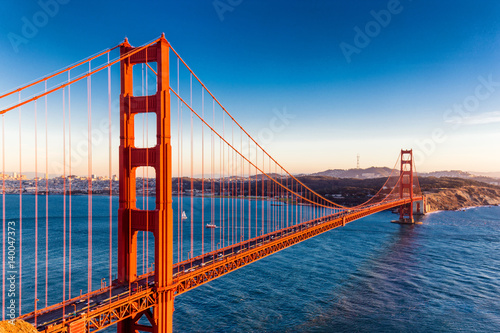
(315, 83)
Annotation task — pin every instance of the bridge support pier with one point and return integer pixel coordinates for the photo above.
(160, 220)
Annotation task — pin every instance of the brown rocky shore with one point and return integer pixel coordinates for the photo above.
(16, 326)
(462, 197)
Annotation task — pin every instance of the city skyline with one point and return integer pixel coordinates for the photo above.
(332, 79)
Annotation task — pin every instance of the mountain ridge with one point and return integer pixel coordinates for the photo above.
(384, 172)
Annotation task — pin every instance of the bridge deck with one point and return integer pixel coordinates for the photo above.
(106, 306)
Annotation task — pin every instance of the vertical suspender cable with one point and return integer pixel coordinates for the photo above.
(143, 185)
(20, 214)
(36, 211)
(287, 202)
(269, 211)
(147, 169)
(280, 210)
(242, 202)
(300, 216)
(64, 199)
(229, 196)
(110, 170)
(230, 238)
(256, 192)
(180, 179)
(89, 168)
(229, 199)
(223, 162)
(179, 213)
(272, 219)
(46, 201)
(69, 184)
(3, 216)
(263, 194)
(192, 162)
(249, 193)
(276, 193)
(283, 195)
(221, 200)
(202, 173)
(212, 183)
(232, 185)
(181, 189)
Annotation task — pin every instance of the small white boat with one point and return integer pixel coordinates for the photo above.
(210, 226)
(184, 216)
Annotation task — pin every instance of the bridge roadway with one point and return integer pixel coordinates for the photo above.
(108, 305)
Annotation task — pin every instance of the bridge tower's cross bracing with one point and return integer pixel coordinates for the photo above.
(160, 220)
(406, 186)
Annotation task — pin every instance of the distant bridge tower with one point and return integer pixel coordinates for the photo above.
(406, 186)
(160, 220)
(357, 164)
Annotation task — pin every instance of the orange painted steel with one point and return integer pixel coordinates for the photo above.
(130, 219)
(187, 281)
(249, 136)
(261, 170)
(132, 297)
(81, 77)
(406, 185)
(124, 306)
(131, 304)
(59, 72)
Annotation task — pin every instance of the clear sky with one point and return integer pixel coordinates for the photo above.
(367, 77)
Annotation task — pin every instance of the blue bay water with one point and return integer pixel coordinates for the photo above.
(370, 276)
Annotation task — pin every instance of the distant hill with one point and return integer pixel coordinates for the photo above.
(372, 172)
(476, 176)
(486, 174)
(384, 172)
(450, 173)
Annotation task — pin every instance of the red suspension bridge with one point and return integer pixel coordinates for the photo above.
(221, 201)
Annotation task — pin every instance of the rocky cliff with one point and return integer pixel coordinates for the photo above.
(18, 326)
(467, 196)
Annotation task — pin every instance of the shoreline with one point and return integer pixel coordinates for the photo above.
(455, 199)
(463, 209)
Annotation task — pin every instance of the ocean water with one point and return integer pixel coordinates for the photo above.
(369, 276)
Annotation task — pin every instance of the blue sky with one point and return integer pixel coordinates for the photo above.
(426, 76)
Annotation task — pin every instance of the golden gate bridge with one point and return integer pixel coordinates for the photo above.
(221, 200)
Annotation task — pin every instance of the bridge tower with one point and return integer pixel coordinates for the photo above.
(160, 220)
(406, 186)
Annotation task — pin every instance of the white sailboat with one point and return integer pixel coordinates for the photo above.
(184, 216)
